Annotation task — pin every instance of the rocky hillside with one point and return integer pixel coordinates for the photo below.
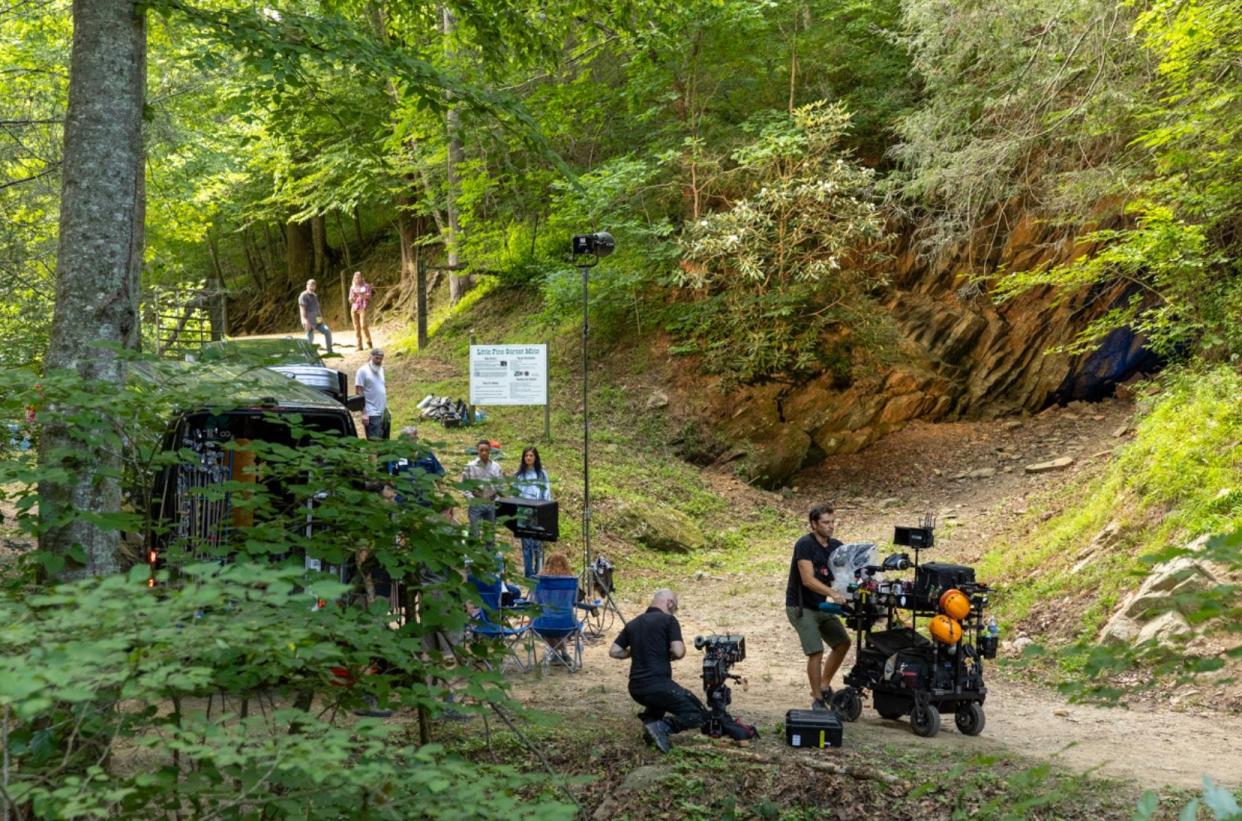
(961, 356)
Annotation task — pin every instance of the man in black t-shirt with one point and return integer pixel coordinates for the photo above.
(651, 641)
(810, 580)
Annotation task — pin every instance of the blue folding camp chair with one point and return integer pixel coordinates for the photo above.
(556, 624)
(493, 623)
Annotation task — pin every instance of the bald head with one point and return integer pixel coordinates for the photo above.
(665, 600)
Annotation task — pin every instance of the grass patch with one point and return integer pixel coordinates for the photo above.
(633, 460)
(701, 779)
(1181, 477)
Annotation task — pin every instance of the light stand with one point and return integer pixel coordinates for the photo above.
(588, 249)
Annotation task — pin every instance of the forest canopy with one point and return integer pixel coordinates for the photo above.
(286, 141)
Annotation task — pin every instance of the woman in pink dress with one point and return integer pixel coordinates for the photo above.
(359, 301)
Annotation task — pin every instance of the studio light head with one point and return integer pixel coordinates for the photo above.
(600, 244)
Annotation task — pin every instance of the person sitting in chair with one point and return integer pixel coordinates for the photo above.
(557, 565)
(651, 641)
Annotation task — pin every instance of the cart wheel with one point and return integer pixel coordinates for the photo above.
(969, 718)
(926, 725)
(848, 703)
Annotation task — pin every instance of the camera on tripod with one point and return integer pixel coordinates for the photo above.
(719, 654)
(732, 648)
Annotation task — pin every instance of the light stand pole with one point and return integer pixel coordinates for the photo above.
(588, 249)
(585, 268)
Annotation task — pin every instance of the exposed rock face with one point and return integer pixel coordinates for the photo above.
(963, 356)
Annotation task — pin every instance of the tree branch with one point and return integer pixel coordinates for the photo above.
(11, 183)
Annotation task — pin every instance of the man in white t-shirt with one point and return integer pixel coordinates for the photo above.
(369, 383)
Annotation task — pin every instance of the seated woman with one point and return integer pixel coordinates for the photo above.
(556, 564)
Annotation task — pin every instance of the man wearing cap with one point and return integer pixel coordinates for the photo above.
(369, 384)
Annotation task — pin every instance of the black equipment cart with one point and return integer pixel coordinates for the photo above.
(907, 673)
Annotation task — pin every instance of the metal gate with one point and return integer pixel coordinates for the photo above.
(181, 318)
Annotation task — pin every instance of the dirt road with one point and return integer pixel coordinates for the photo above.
(972, 475)
(892, 483)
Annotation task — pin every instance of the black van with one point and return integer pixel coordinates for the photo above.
(232, 405)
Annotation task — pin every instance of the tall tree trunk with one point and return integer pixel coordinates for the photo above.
(215, 290)
(406, 234)
(420, 291)
(458, 284)
(271, 250)
(349, 258)
(215, 308)
(299, 253)
(319, 242)
(413, 267)
(98, 266)
(256, 265)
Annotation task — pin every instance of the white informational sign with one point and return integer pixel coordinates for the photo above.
(508, 374)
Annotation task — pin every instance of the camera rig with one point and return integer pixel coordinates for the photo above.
(905, 672)
(719, 654)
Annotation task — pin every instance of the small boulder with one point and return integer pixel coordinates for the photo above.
(646, 778)
(660, 528)
(1120, 629)
(1054, 464)
(657, 400)
(640, 781)
(771, 461)
(982, 473)
(1180, 575)
(1167, 630)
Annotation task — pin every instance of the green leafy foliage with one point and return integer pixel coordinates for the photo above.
(1175, 482)
(1024, 104)
(1121, 121)
(1172, 269)
(781, 269)
(34, 44)
(1215, 799)
(224, 683)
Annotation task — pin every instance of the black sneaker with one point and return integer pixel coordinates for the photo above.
(656, 733)
(825, 695)
(820, 706)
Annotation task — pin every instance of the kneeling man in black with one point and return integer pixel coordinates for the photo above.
(651, 641)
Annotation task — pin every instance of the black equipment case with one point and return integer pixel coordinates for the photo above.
(813, 728)
(529, 518)
(933, 578)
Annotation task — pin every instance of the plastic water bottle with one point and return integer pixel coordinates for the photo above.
(993, 628)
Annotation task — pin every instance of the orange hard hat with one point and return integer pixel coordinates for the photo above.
(954, 604)
(945, 630)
